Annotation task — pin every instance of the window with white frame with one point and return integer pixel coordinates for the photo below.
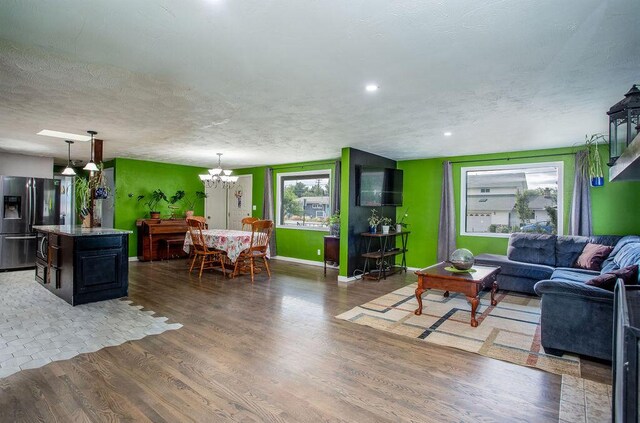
(499, 200)
(304, 199)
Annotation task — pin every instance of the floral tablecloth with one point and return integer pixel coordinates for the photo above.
(230, 241)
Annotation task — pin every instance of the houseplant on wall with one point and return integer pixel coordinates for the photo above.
(152, 202)
(596, 174)
(374, 221)
(99, 184)
(191, 200)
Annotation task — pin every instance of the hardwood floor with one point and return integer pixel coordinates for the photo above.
(273, 351)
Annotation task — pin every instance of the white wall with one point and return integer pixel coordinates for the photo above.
(21, 165)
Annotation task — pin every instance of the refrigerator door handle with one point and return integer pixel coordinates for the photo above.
(20, 237)
(33, 204)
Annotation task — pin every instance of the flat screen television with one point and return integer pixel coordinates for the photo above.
(378, 186)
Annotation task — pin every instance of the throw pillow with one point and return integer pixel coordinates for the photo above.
(592, 256)
(629, 276)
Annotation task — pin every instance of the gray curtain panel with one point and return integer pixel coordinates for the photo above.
(580, 218)
(336, 187)
(268, 207)
(447, 227)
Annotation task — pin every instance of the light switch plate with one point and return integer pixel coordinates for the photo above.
(254, 206)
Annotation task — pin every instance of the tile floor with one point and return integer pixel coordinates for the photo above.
(36, 327)
(584, 401)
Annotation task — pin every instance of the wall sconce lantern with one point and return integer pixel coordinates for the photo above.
(624, 123)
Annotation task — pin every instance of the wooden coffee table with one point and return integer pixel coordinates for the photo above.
(469, 284)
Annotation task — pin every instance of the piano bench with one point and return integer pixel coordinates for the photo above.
(169, 242)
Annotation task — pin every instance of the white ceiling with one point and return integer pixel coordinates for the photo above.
(279, 81)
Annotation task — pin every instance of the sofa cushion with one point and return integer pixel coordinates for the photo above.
(625, 253)
(611, 240)
(532, 248)
(629, 276)
(593, 256)
(568, 249)
(515, 268)
(572, 276)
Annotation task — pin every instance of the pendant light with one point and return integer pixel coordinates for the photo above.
(219, 177)
(91, 166)
(69, 170)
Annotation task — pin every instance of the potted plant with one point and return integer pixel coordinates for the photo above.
(334, 224)
(386, 224)
(190, 201)
(596, 174)
(152, 202)
(99, 185)
(374, 221)
(179, 195)
(400, 224)
(83, 196)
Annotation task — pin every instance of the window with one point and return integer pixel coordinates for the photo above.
(304, 199)
(499, 200)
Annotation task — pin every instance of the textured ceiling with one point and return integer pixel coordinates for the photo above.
(268, 82)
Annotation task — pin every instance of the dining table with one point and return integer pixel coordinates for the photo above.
(231, 241)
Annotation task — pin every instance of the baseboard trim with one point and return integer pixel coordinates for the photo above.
(133, 258)
(347, 280)
(302, 261)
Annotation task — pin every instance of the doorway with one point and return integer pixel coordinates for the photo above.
(215, 207)
(239, 202)
(225, 208)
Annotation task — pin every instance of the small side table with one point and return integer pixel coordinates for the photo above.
(331, 251)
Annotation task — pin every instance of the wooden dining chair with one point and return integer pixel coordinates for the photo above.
(260, 236)
(201, 219)
(209, 257)
(247, 221)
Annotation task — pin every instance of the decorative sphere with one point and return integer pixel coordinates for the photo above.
(462, 259)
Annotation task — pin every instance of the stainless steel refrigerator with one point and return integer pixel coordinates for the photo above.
(25, 202)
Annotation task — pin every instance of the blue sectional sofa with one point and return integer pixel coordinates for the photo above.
(575, 317)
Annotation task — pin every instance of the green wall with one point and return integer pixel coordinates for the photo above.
(344, 210)
(138, 177)
(613, 206)
(295, 243)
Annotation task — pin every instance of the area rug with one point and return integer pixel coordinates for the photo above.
(36, 327)
(584, 401)
(510, 331)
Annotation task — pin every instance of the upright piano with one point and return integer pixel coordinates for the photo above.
(160, 239)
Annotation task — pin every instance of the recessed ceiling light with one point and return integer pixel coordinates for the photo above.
(447, 134)
(371, 88)
(65, 135)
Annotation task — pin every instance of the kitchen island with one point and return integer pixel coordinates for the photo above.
(83, 265)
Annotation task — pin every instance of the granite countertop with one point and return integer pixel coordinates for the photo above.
(79, 230)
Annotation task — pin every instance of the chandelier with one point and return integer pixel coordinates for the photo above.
(218, 177)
